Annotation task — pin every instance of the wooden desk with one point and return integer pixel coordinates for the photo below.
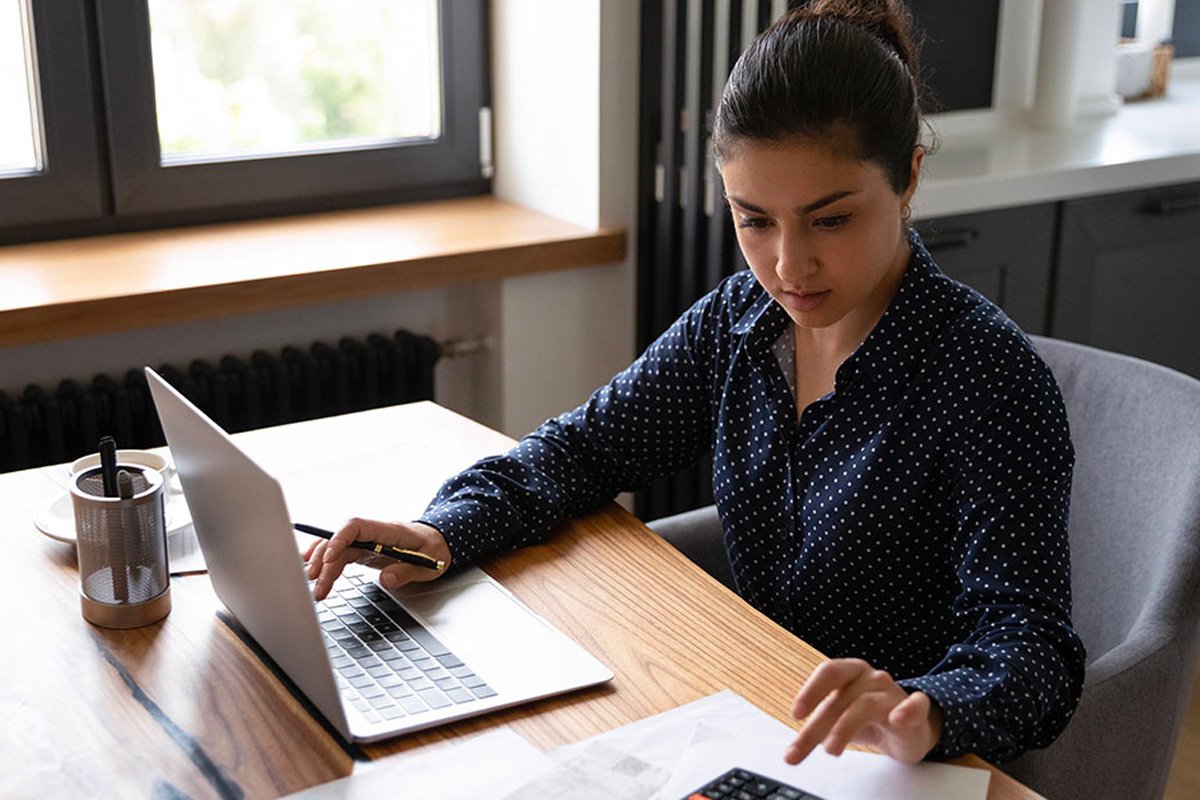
(183, 707)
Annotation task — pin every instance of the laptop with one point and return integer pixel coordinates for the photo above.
(375, 663)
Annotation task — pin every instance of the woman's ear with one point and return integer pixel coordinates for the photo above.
(914, 175)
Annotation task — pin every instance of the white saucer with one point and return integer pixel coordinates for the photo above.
(57, 520)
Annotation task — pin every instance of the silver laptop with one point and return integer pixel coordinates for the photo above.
(375, 663)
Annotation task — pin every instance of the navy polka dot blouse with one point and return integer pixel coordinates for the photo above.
(915, 517)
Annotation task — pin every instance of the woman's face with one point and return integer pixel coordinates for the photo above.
(822, 233)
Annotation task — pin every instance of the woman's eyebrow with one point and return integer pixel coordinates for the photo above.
(832, 197)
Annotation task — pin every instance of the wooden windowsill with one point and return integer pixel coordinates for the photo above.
(58, 290)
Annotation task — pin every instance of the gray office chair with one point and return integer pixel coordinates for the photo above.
(1135, 547)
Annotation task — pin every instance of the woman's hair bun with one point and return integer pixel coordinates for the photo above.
(889, 20)
(842, 71)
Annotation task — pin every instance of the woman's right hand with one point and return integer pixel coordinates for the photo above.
(325, 560)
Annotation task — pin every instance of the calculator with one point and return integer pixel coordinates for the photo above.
(742, 784)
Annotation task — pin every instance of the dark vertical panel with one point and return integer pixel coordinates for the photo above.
(687, 242)
(670, 152)
(958, 52)
(696, 36)
(764, 13)
(1185, 34)
(664, 267)
(958, 56)
(720, 237)
(1129, 10)
(649, 133)
(697, 105)
(721, 259)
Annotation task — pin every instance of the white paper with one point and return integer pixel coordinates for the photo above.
(664, 738)
(699, 741)
(850, 776)
(597, 772)
(489, 765)
(183, 552)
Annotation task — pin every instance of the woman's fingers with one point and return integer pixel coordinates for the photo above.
(847, 701)
(867, 710)
(913, 711)
(832, 688)
(914, 728)
(327, 559)
(826, 678)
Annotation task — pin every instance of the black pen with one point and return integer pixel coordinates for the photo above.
(398, 553)
(108, 465)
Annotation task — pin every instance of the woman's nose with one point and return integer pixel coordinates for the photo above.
(794, 260)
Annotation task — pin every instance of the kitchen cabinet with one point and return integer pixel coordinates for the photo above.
(1120, 272)
(1006, 254)
(1128, 275)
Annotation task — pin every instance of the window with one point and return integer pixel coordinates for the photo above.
(1153, 21)
(237, 79)
(180, 111)
(50, 154)
(1185, 30)
(20, 129)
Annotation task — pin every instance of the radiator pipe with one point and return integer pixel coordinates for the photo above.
(457, 348)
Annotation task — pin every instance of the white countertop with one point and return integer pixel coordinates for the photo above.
(988, 160)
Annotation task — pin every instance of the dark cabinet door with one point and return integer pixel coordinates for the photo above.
(1129, 275)
(1005, 254)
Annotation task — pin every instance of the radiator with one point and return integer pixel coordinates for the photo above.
(44, 426)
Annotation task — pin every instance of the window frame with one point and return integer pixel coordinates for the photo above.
(103, 170)
(70, 183)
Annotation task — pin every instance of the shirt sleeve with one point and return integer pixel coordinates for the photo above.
(652, 419)
(1016, 680)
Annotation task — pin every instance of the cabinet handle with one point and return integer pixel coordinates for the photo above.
(1172, 205)
(953, 238)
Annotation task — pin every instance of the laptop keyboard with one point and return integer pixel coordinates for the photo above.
(386, 663)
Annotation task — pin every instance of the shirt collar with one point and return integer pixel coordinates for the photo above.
(763, 320)
(895, 348)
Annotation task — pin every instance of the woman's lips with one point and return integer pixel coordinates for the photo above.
(804, 301)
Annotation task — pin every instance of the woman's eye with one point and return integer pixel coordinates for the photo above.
(753, 223)
(830, 223)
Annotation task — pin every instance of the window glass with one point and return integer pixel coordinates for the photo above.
(19, 130)
(252, 78)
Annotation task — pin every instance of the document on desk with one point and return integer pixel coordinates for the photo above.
(183, 552)
(698, 741)
(489, 765)
(664, 757)
(596, 772)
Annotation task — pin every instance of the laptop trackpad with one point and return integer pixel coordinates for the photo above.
(499, 638)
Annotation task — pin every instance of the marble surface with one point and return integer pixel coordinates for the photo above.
(988, 160)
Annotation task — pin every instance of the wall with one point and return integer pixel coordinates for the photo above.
(565, 95)
(565, 144)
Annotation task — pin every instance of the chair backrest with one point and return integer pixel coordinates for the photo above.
(1135, 560)
(1135, 502)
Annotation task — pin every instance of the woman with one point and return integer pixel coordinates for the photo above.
(892, 463)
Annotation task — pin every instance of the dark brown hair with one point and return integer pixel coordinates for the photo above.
(843, 72)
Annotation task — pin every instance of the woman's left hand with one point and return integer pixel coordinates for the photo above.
(846, 701)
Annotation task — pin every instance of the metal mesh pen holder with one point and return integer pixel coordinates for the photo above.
(124, 581)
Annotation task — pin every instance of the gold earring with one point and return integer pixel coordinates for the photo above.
(905, 212)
